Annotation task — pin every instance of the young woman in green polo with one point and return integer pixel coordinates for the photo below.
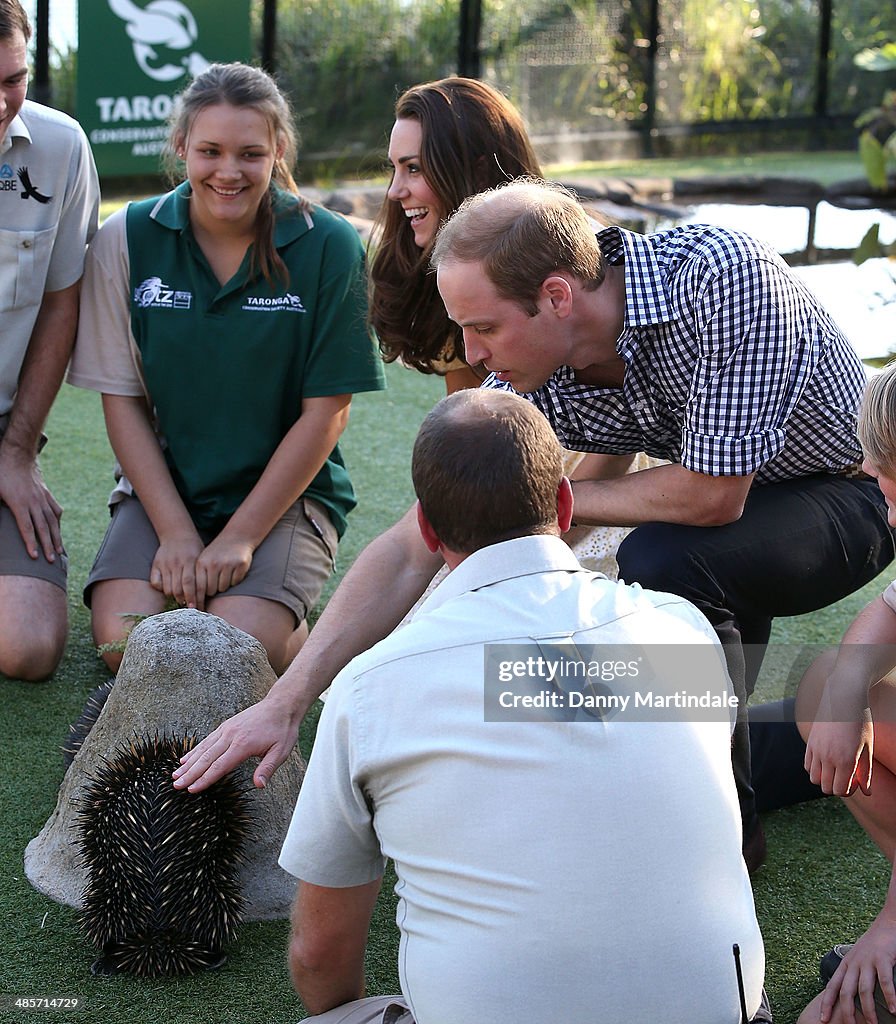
(224, 325)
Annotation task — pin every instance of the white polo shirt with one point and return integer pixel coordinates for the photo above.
(547, 870)
(49, 203)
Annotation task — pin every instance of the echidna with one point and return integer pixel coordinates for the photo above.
(162, 896)
(77, 732)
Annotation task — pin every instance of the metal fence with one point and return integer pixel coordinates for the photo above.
(593, 78)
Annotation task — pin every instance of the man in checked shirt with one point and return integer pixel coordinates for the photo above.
(698, 346)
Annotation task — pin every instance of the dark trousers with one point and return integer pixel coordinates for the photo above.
(799, 546)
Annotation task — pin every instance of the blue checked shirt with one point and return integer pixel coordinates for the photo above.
(731, 365)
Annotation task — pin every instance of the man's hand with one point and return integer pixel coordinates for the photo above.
(36, 511)
(264, 730)
(839, 755)
(869, 961)
(173, 570)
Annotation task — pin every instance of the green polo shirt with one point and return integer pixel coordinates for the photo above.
(228, 367)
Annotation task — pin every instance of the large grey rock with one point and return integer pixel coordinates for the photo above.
(183, 672)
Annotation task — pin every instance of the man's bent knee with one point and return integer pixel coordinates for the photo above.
(33, 664)
(33, 627)
(657, 556)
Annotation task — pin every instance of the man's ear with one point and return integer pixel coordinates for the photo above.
(564, 504)
(558, 292)
(426, 531)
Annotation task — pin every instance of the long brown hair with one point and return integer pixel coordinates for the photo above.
(473, 138)
(241, 85)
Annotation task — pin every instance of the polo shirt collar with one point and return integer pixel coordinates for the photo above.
(173, 211)
(17, 130)
(290, 221)
(511, 559)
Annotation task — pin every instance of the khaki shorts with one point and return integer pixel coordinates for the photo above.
(372, 1010)
(290, 566)
(14, 558)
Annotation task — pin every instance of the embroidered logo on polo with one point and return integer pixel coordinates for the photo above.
(31, 191)
(275, 304)
(8, 182)
(154, 293)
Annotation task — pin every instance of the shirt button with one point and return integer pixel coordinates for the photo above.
(26, 244)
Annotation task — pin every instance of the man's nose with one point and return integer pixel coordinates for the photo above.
(474, 351)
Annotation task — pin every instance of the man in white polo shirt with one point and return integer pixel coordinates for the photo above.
(49, 200)
(550, 866)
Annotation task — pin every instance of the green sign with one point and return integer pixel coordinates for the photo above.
(134, 57)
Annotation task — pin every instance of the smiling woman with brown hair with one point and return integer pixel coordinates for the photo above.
(451, 139)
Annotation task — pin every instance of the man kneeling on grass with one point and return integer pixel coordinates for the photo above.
(551, 865)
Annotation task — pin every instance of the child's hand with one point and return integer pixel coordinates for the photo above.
(224, 563)
(869, 962)
(173, 570)
(839, 754)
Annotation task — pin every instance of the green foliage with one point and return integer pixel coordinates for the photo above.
(877, 143)
(733, 72)
(869, 247)
(881, 58)
(344, 63)
(63, 78)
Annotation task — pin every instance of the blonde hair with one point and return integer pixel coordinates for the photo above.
(877, 419)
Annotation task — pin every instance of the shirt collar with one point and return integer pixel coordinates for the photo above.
(511, 559)
(17, 130)
(173, 211)
(646, 299)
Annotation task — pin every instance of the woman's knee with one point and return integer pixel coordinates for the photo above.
(115, 608)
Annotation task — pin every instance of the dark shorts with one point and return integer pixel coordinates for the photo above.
(290, 566)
